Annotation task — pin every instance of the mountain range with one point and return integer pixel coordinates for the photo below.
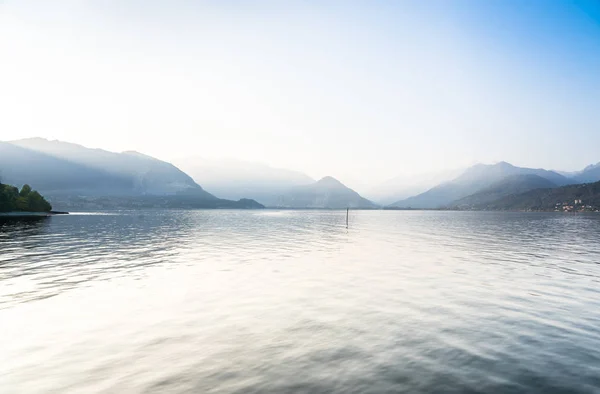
(235, 179)
(327, 193)
(409, 184)
(498, 186)
(272, 187)
(63, 168)
(582, 197)
(478, 178)
(512, 184)
(72, 175)
(590, 173)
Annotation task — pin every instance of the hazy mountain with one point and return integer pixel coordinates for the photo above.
(552, 199)
(52, 175)
(591, 167)
(236, 179)
(568, 174)
(74, 177)
(325, 193)
(78, 169)
(407, 185)
(473, 180)
(512, 184)
(590, 173)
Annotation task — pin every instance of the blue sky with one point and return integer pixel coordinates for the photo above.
(362, 91)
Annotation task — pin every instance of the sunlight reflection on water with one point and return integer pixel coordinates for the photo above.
(292, 301)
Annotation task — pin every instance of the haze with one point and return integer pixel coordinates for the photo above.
(363, 91)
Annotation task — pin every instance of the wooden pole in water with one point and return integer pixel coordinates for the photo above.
(347, 212)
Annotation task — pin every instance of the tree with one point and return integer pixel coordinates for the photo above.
(25, 200)
(8, 198)
(37, 203)
(25, 190)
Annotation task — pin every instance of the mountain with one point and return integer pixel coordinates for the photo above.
(57, 167)
(567, 174)
(273, 187)
(512, 184)
(473, 180)
(565, 198)
(53, 175)
(236, 179)
(325, 193)
(590, 173)
(406, 185)
(73, 176)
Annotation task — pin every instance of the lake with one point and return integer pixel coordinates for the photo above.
(293, 302)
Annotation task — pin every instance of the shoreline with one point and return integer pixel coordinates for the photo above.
(25, 214)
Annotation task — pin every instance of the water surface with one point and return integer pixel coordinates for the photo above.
(292, 301)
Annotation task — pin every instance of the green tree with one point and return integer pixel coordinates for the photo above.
(11, 199)
(25, 190)
(37, 203)
(8, 198)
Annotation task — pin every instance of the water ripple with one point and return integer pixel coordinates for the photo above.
(292, 301)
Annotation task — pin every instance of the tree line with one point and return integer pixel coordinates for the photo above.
(25, 200)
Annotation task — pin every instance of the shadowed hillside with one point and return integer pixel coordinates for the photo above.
(580, 197)
(513, 184)
(473, 180)
(76, 177)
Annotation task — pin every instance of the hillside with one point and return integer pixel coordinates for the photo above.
(473, 180)
(589, 174)
(409, 184)
(59, 168)
(560, 198)
(235, 179)
(76, 177)
(513, 184)
(327, 193)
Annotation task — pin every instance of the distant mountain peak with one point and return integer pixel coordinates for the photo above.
(45, 143)
(32, 139)
(58, 167)
(591, 167)
(589, 174)
(329, 181)
(327, 192)
(473, 180)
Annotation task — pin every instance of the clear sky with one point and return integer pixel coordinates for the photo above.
(362, 91)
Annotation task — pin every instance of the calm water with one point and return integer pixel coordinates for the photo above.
(267, 301)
